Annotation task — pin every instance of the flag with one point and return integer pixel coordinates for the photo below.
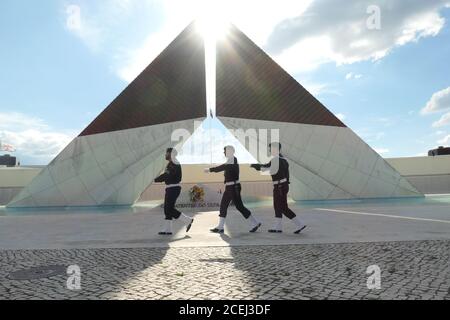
(7, 147)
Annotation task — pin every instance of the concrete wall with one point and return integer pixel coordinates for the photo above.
(12, 181)
(254, 185)
(430, 175)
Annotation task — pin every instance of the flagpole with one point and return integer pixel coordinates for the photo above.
(210, 138)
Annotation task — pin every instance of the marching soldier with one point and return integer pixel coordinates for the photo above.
(232, 191)
(279, 170)
(172, 178)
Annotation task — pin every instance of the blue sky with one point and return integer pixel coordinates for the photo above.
(390, 85)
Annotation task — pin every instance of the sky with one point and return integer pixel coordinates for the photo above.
(381, 66)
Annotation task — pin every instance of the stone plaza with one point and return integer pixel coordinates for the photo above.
(120, 255)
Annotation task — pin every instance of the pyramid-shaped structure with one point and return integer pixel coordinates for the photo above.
(120, 153)
(327, 159)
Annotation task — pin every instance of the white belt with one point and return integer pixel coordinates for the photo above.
(232, 183)
(280, 182)
(172, 186)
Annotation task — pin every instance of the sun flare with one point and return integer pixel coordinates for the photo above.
(212, 24)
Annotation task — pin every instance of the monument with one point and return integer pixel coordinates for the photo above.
(120, 153)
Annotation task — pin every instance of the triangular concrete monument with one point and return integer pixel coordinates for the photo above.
(120, 153)
(327, 159)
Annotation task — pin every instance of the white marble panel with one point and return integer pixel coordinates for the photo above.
(84, 162)
(405, 184)
(102, 192)
(67, 152)
(120, 180)
(24, 203)
(377, 188)
(97, 140)
(50, 196)
(21, 196)
(311, 162)
(74, 191)
(321, 141)
(353, 182)
(339, 194)
(332, 172)
(129, 158)
(120, 143)
(44, 182)
(343, 152)
(320, 186)
(92, 178)
(340, 147)
(385, 172)
(112, 168)
(78, 146)
(62, 171)
(112, 201)
(300, 173)
(402, 192)
(105, 153)
(367, 160)
(139, 186)
(126, 195)
(301, 192)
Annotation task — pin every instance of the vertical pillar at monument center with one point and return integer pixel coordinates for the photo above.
(327, 159)
(121, 152)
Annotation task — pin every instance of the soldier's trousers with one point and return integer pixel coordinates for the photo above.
(280, 192)
(233, 193)
(170, 199)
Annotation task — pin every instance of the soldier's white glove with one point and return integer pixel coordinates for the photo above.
(206, 170)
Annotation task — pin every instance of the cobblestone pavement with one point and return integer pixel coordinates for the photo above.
(409, 270)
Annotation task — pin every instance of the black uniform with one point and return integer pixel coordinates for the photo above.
(232, 192)
(171, 176)
(279, 169)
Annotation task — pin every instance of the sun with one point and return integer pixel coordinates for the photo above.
(211, 24)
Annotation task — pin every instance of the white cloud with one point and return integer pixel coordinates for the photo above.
(445, 140)
(368, 135)
(381, 150)
(179, 13)
(33, 139)
(440, 101)
(443, 121)
(15, 120)
(386, 121)
(329, 33)
(341, 116)
(94, 22)
(315, 88)
(300, 35)
(351, 76)
(78, 24)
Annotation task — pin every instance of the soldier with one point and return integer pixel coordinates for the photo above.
(172, 178)
(232, 191)
(279, 170)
